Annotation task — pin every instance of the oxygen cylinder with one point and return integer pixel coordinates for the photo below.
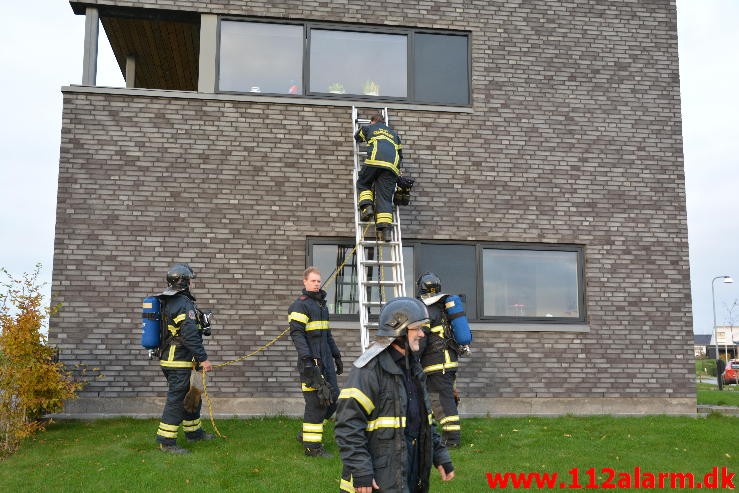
(460, 326)
(151, 323)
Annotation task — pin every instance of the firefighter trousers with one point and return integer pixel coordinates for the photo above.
(313, 417)
(441, 391)
(174, 414)
(383, 182)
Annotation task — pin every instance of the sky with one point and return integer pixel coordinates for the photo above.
(42, 52)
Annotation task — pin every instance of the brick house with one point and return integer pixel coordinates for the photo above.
(545, 138)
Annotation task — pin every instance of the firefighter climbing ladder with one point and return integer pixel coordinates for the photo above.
(379, 263)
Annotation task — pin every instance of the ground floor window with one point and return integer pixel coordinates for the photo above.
(499, 282)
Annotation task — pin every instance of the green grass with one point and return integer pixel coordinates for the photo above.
(709, 394)
(261, 455)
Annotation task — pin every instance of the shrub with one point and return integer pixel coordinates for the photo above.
(705, 367)
(32, 382)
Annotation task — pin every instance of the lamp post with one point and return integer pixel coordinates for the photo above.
(727, 280)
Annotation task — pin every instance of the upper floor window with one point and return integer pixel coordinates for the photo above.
(342, 61)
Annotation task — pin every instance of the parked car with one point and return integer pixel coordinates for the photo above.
(731, 373)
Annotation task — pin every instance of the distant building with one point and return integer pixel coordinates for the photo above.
(727, 340)
(700, 344)
(545, 138)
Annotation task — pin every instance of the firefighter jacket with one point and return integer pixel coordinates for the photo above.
(182, 336)
(310, 332)
(385, 149)
(439, 350)
(370, 428)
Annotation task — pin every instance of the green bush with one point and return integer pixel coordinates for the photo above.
(705, 367)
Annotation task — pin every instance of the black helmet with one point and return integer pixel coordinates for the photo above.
(179, 276)
(428, 284)
(398, 314)
(395, 317)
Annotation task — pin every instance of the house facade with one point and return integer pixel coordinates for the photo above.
(544, 137)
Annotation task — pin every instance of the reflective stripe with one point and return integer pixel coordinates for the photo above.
(386, 422)
(347, 485)
(446, 365)
(312, 437)
(438, 330)
(147, 305)
(451, 428)
(366, 195)
(447, 419)
(359, 396)
(191, 422)
(317, 325)
(430, 418)
(168, 427)
(384, 217)
(172, 349)
(190, 426)
(177, 364)
(298, 317)
(305, 388)
(312, 427)
(167, 434)
(383, 164)
(179, 318)
(449, 304)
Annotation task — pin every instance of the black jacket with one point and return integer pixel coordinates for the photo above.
(182, 336)
(370, 422)
(439, 350)
(385, 149)
(310, 332)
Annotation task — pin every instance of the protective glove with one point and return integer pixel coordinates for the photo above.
(311, 372)
(323, 391)
(339, 365)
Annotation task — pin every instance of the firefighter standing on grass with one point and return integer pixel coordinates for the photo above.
(440, 359)
(379, 172)
(319, 360)
(181, 351)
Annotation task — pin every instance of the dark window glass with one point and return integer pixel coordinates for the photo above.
(441, 71)
(531, 283)
(347, 62)
(260, 57)
(456, 267)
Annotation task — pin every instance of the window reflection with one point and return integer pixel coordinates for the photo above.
(261, 58)
(530, 283)
(346, 62)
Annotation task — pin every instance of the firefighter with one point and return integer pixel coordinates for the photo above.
(319, 361)
(440, 359)
(384, 428)
(181, 351)
(379, 174)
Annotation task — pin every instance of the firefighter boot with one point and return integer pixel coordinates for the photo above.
(202, 437)
(366, 213)
(318, 451)
(173, 449)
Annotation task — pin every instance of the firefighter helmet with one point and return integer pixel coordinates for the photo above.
(428, 284)
(395, 318)
(179, 276)
(398, 314)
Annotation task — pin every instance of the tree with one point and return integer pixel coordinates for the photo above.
(32, 382)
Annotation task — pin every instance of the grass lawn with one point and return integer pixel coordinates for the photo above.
(261, 455)
(709, 394)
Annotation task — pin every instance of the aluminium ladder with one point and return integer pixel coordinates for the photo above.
(379, 263)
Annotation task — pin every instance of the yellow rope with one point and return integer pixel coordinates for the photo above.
(262, 348)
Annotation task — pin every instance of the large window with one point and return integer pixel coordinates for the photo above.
(344, 62)
(258, 57)
(516, 283)
(531, 284)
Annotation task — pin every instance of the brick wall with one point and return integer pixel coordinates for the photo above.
(575, 137)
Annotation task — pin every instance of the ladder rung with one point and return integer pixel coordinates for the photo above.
(380, 262)
(383, 283)
(375, 242)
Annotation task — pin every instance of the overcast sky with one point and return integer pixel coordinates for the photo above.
(42, 51)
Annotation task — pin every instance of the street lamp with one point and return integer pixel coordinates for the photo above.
(727, 280)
